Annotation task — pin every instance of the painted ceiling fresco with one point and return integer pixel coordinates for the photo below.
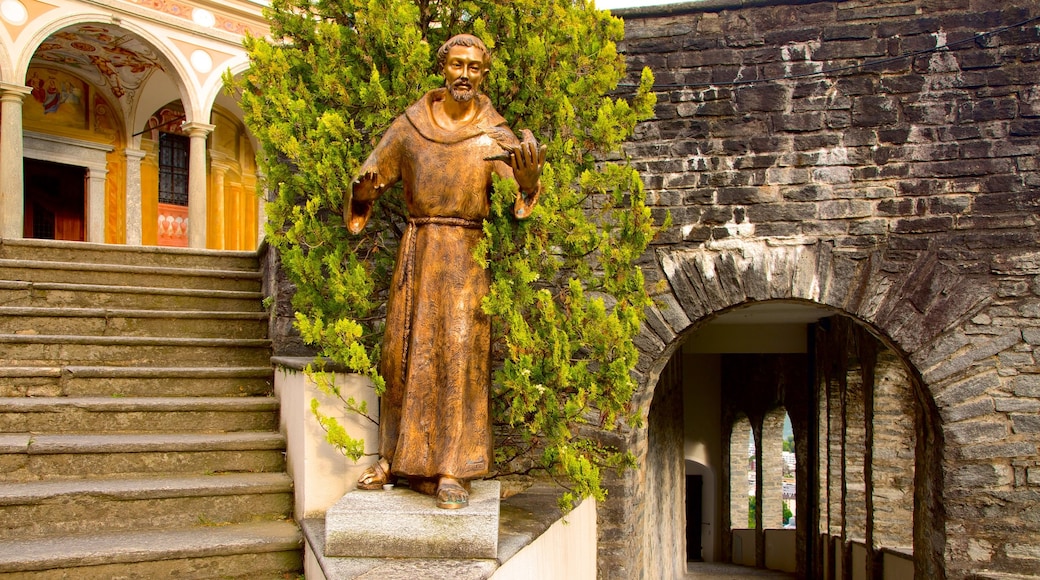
(108, 57)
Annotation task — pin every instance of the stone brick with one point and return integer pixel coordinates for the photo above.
(778, 229)
(1029, 552)
(874, 111)
(953, 204)
(727, 195)
(1025, 128)
(812, 121)
(976, 431)
(1022, 423)
(833, 174)
(805, 193)
(968, 410)
(963, 167)
(1002, 183)
(855, 86)
(980, 475)
(928, 113)
(868, 227)
(845, 209)
(1006, 405)
(789, 35)
(1026, 385)
(923, 225)
(839, 49)
(785, 212)
(787, 175)
(816, 141)
(968, 388)
(767, 98)
(912, 83)
(998, 450)
(978, 59)
(989, 110)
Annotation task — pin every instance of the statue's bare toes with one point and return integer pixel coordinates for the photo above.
(375, 476)
(451, 494)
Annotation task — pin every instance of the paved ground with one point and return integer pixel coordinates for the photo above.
(716, 571)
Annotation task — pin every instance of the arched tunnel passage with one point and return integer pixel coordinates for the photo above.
(863, 433)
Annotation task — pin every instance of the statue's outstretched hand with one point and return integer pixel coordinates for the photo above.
(356, 214)
(527, 159)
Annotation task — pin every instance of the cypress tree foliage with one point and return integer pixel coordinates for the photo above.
(566, 296)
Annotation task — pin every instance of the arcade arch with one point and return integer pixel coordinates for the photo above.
(94, 87)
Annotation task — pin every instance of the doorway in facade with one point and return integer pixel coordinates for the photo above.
(55, 201)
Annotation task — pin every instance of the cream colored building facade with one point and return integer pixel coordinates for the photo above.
(115, 126)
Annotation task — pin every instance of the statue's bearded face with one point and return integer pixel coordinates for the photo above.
(463, 72)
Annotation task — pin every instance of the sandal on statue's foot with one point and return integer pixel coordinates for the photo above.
(375, 476)
(451, 494)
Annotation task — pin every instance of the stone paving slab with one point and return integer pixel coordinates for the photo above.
(141, 546)
(137, 404)
(130, 443)
(145, 487)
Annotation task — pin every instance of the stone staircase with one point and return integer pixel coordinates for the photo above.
(138, 431)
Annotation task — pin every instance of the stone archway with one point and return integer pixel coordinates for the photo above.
(919, 308)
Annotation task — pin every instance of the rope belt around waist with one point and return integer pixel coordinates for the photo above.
(447, 221)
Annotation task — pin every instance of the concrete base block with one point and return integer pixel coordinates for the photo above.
(400, 523)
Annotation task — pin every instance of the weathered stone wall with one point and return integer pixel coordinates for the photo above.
(901, 191)
(665, 489)
(875, 422)
(895, 440)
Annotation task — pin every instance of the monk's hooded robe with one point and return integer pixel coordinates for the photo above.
(434, 418)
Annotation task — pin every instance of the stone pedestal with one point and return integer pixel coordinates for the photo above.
(400, 523)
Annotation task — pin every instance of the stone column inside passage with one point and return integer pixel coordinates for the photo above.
(197, 182)
(12, 213)
(133, 197)
(96, 205)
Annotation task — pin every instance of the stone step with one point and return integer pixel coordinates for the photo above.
(90, 253)
(55, 350)
(254, 551)
(129, 322)
(63, 295)
(26, 457)
(112, 415)
(40, 271)
(108, 381)
(41, 509)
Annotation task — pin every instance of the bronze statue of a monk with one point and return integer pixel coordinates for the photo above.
(435, 424)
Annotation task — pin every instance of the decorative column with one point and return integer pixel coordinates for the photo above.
(197, 182)
(133, 196)
(218, 206)
(96, 205)
(12, 210)
(261, 209)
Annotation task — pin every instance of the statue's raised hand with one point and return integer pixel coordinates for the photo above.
(356, 211)
(527, 159)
